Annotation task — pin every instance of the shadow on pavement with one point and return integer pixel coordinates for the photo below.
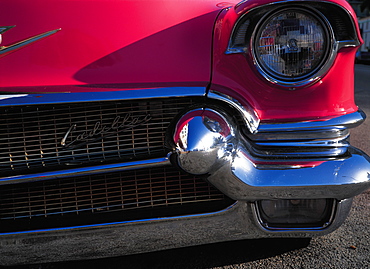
(205, 256)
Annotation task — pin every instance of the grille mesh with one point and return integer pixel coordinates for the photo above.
(31, 136)
(119, 196)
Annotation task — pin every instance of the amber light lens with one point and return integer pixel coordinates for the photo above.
(295, 213)
(291, 44)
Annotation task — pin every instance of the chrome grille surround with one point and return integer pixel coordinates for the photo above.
(87, 159)
(93, 133)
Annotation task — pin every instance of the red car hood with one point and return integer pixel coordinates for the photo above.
(133, 44)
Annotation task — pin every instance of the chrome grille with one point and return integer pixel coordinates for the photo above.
(120, 196)
(31, 136)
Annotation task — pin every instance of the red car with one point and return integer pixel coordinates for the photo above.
(132, 126)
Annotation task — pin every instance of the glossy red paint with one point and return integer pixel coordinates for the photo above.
(236, 75)
(108, 42)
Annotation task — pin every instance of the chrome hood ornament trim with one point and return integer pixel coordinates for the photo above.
(5, 50)
(3, 29)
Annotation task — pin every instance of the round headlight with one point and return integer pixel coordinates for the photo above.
(291, 45)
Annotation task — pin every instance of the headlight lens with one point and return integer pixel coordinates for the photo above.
(291, 44)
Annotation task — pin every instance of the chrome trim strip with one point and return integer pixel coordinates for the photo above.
(326, 137)
(345, 121)
(5, 50)
(108, 168)
(235, 50)
(302, 135)
(282, 151)
(77, 97)
(348, 44)
(250, 117)
(3, 29)
(121, 222)
(10, 96)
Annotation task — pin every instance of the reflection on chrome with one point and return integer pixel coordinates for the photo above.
(203, 138)
(8, 96)
(249, 115)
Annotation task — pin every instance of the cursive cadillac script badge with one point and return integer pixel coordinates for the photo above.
(74, 138)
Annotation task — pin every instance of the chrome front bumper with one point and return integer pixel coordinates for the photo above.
(339, 179)
(308, 160)
(116, 239)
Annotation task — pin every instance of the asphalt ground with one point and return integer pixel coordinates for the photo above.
(347, 247)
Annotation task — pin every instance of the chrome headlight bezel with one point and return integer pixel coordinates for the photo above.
(305, 77)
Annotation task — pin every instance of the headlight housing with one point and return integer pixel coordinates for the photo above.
(290, 45)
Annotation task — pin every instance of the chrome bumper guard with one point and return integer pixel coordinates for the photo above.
(319, 164)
